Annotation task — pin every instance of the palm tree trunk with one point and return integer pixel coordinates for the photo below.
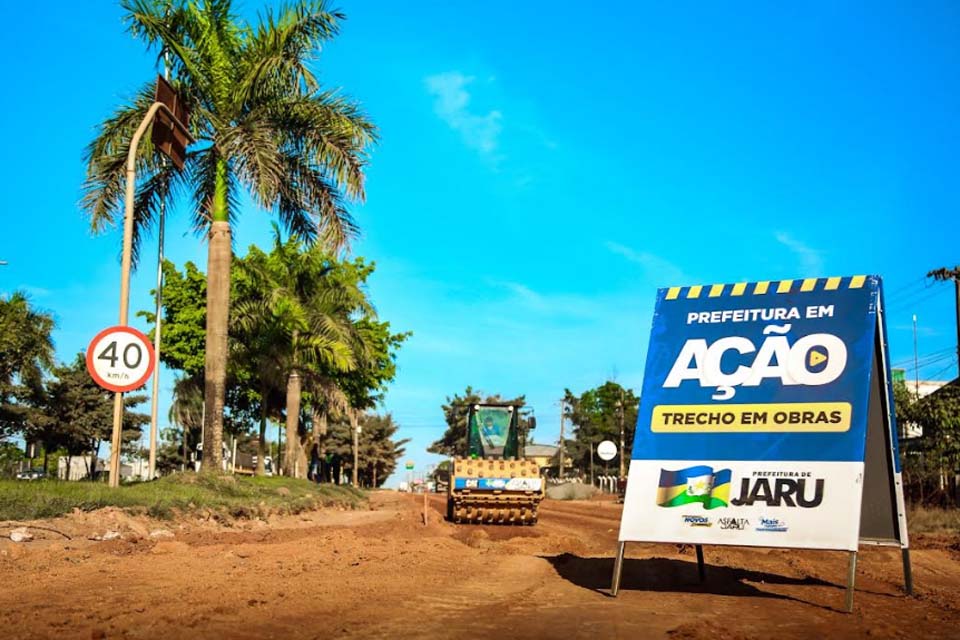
(290, 456)
(320, 437)
(262, 442)
(218, 312)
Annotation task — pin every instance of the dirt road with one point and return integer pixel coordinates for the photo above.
(382, 573)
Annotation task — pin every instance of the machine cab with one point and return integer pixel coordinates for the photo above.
(493, 431)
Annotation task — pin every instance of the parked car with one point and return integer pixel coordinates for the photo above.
(31, 474)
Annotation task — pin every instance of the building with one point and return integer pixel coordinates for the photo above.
(78, 467)
(918, 389)
(542, 454)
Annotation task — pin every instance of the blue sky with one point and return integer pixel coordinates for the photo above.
(544, 167)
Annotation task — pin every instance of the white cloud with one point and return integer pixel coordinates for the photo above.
(660, 271)
(811, 261)
(479, 131)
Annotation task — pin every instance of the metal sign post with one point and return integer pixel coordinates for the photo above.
(119, 359)
(176, 116)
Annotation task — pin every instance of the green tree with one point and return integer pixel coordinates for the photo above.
(186, 412)
(184, 318)
(263, 125)
(11, 457)
(596, 416)
(170, 452)
(379, 451)
(297, 315)
(26, 353)
(76, 414)
(932, 461)
(453, 443)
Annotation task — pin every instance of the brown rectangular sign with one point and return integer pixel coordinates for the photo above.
(170, 138)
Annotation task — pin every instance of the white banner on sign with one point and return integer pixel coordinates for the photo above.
(810, 505)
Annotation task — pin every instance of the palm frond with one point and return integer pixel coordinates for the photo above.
(106, 157)
(169, 26)
(275, 54)
(329, 131)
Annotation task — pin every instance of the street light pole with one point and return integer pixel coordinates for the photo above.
(620, 408)
(563, 406)
(155, 391)
(131, 187)
(354, 423)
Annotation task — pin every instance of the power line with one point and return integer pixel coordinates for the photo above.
(925, 357)
(908, 303)
(924, 365)
(944, 370)
(903, 293)
(943, 274)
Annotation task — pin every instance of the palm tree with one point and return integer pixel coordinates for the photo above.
(304, 315)
(26, 352)
(186, 410)
(261, 338)
(263, 125)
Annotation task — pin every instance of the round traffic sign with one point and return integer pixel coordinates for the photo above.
(607, 450)
(120, 359)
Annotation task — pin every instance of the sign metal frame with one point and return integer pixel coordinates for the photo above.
(859, 435)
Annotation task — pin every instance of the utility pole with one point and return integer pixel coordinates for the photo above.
(623, 464)
(944, 274)
(591, 463)
(916, 358)
(354, 422)
(166, 101)
(155, 391)
(563, 407)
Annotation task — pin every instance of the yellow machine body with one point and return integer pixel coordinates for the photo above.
(489, 490)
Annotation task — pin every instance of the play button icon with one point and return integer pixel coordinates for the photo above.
(816, 357)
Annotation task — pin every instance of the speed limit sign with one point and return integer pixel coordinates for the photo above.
(120, 359)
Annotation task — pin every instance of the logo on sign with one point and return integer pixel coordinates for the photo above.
(694, 484)
(772, 524)
(697, 521)
(738, 524)
(780, 492)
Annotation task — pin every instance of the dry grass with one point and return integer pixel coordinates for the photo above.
(933, 520)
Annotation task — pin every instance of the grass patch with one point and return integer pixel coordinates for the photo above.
(239, 497)
(933, 520)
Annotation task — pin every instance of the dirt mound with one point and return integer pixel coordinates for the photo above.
(571, 491)
(382, 573)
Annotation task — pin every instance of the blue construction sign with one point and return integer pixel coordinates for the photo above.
(759, 404)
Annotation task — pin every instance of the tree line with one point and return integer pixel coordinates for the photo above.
(57, 408)
(593, 416)
(265, 128)
(930, 462)
(308, 352)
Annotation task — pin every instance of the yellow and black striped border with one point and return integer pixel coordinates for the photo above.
(805, 285)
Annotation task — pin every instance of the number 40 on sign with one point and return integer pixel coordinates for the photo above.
(120, 359)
